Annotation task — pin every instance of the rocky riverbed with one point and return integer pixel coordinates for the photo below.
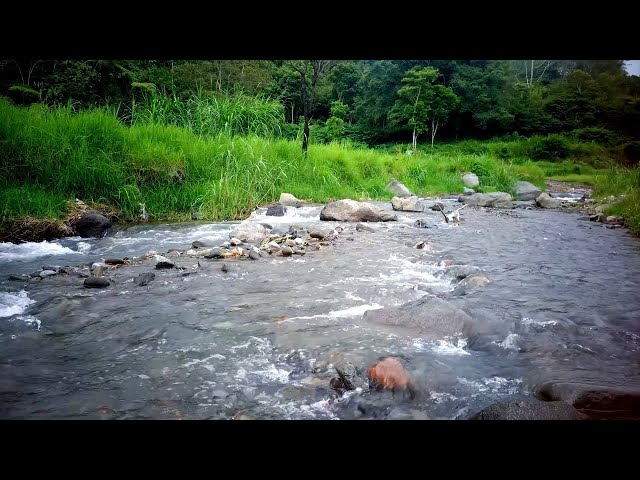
(498, 313)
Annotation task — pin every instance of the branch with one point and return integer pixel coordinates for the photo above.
(446, 219)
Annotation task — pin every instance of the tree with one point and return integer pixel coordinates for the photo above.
(313, 69)
(422, 104)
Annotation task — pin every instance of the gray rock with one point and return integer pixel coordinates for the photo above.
(287, 252)
(47, 273)
(597, 401)
(364, 228)
(529, 410)
(276, 210)
(431, 316)
(468, 191)
(225, 268)
(317, 234)
(55, 268)
(602, 208)
(437, 206)
(289, 242)
(114, 261)
(298, 241)
(460, 272)
(421, 223)
(163, 262)
(250, 232)
(352, 211)
(289, 200)
(198, 244)
(144, 279)
(494, 199)
(471, 180)
(408, 204)
(614, 219)
(476, 281)
(96, 282)
(19, 278)
(544, 200)
(526, 191)
(196, 216)
(399, 189)
(254, 255)
(268, 226)
(351, 377)
(235, 242)
(92, 224)
(98, 268)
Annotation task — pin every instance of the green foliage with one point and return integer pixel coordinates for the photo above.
(551, 147)
(598, 135)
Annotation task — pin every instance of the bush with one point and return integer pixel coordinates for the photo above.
(552, 147)
(598, 135)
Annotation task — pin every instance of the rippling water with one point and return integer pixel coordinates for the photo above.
(261, 340)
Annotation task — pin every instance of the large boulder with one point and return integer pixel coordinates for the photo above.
(352, 211)
(544, 200)
(249, 232)
(471, 180)
(408, 204)
(289, 200)
(529, 410)
(399, 189)
(597, 401)
(494, 199)
(430, 316)
(526, 191)
(92, 224)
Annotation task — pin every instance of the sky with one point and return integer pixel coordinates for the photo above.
(633, 67)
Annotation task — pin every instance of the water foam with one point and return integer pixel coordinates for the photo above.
(14, 303)
(347, 312)
(11, 251)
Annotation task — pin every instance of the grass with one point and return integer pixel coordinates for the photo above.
(175, 163)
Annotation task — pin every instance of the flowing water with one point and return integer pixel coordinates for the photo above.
(261, 339)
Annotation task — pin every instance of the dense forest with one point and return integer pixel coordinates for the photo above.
(367, 101)
(220, 137)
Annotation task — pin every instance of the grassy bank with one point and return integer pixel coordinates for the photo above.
(50, 156)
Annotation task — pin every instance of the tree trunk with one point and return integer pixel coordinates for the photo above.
(434, 129)
(305, 136)
(414, 139)
(305, 111)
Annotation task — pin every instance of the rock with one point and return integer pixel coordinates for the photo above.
(19, 278)
(597, 401)
(47, 273)
(364, 228)
(494, 199)
(437, 206)
(286, 251)
(96, 282)
(460, 272)
(471, 180)
(468, 191)
(273, 244)
(421, 245)
(196, 216)
(289, 200)
(163, 262)
(243, 415)
(254, 254)
(399, 189)
(55, 268)
(276, 211)
(614, 219)
(114, 261)
(144, 279)
(317, 234)
(225, 245)
(198, 244)
(299, 251)
(290, 242)
(235, 242)
(477, 281)
(409, 204)
(298, 241)
(268, 226)
(421, 223)
(431, 316)
(225, 268)
(544, 200)
(314, 382)
(351, 376)
(150, 253)
(92, 224)
(529, 410)
(250, 232)
(526, 191)
(602, 208)
(352, 211)
(98, 268)
(215, 253)
(390, 374)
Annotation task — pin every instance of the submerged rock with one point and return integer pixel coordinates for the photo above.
(198, 244)
(144, 279)
(431, 316)
(92, 224)
(437, 206)
(352, 211)
(408, 204)
(529, 410)
(96, 282)
(364, 228)
(276, 211)
(399, 189)
(460, 272)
